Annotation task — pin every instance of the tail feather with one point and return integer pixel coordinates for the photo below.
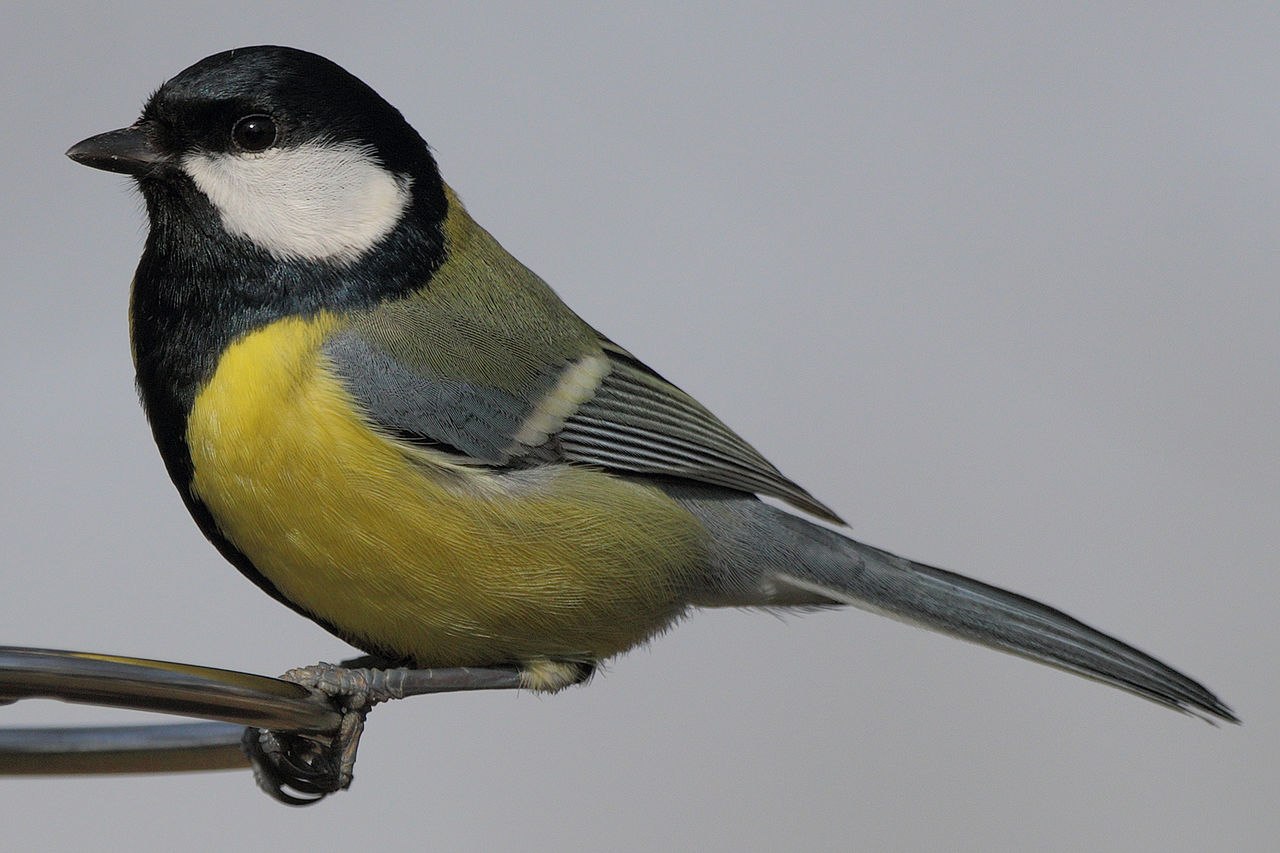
(983, 614)
(766, 557)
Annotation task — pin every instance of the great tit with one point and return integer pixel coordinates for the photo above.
(392, 426)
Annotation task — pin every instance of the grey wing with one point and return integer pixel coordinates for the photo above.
(473, 420)
(637, 421)
(599, 407)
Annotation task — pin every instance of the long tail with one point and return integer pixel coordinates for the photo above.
(766, 557)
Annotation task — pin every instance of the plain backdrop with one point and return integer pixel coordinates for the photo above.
(998, 284)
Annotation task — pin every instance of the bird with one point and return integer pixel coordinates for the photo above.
(395, 428)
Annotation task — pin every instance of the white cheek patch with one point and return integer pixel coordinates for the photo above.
(317, 201)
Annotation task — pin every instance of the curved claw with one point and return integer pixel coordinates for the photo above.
(310, 766)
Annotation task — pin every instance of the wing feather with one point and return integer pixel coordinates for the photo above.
(486, 363)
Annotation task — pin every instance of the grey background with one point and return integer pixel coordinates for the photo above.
(997, 284)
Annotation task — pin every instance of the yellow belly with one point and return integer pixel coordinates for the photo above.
(406, 554)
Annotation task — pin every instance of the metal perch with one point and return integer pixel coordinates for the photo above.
(298, 732)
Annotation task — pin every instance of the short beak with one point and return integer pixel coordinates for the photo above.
(126, 150)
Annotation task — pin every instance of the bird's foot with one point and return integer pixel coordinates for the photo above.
(300, 768)
(313, 764)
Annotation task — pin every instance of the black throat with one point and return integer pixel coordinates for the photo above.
(198, 289)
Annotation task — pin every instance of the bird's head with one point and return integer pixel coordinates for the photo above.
(278, 148)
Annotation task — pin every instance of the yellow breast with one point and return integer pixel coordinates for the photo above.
(406, 554)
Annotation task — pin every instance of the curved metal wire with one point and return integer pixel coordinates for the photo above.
(161, 748)
(234, 699)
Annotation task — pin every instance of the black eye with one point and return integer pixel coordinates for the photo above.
(254, 133)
